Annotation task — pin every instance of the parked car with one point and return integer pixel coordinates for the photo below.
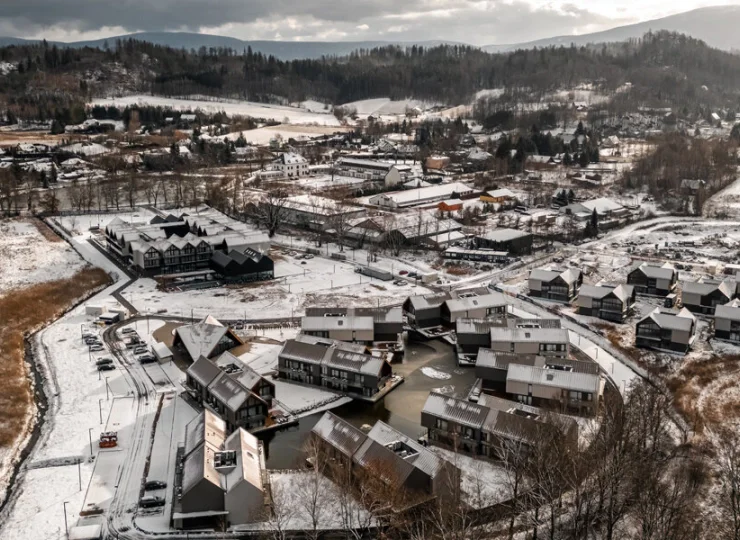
(151, 501)
(308, 256)
(399, 282)
(133, 343)
(91, 340)
(154, 484)
(103, 361)
(128, 330)
(96, 348)
(403, 272)
(146, 359)
(106, 367)
(412, 275)
(141, 350)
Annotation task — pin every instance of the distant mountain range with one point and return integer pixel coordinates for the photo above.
(717, 26)
(284, 50)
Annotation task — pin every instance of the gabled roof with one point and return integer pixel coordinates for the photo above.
(485, 301)
(340, 434)
(424, 459)
(568, 380)
(504, 235)
(730, 311)
(704, 288)
(488, 358)
(530, 335)
(248, 464)
(477, 326)
(570, 275)
(200, 339)
(653, 270)
(621, 292)
(455, 410)
(203, 371)
(671, 320)
(428, 301)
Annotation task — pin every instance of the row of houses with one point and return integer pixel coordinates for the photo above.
(180, 244)
(492, 427)
(239, 395)
(334, 365)
(354, 324)
(222, 476)
(437, 309)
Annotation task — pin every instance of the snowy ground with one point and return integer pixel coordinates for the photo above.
(292, 115)
(319, 282)
(29, 258)
(483, 482)
(263, 135)
(79, 225)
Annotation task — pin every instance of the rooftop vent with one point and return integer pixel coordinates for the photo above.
(225, 459)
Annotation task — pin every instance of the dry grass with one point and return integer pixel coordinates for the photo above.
(21, 312)
(459, 270)
(45, 231)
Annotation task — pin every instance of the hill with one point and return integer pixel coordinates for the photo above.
(282, 50)
(717, 26)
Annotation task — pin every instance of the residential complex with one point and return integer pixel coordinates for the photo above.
(606, 302)
(555, 284)
(666, 329)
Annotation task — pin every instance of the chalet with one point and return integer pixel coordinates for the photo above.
(334, 365)
(492, 425)
(666, 329)
(652, 279)
(727, 321)
(233, 390)
(509, 240)
(450, 205)
(415, 469)
(365, 325)
(606, 302)
(207, 338)
(704, 296)
(558, 285)
(221, 476)
(549, 342)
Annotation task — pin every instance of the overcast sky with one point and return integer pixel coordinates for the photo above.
(479, 22)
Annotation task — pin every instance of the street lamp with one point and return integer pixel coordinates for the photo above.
(89, 433)
(100, 410)
(66, 528)
(106, 389)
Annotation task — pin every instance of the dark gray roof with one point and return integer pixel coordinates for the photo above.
(533, 323)
(203, 371)
(340, 434)
(429, 300)
(493, 299)
(455, 410)
(530, 335)
(424, 459)
(488, 358)
(568, 380)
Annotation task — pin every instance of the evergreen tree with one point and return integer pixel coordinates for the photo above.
(594, 223)
(583, 159)
(567, 159)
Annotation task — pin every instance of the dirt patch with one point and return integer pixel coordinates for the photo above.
(454, 270)
(23, 311)
(164, 334)
(45, 231)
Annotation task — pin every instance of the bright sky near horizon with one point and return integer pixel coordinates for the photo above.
(478, 22)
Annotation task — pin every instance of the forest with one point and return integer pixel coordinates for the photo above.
(663, 69)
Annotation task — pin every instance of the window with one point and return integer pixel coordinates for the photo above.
(441, 424)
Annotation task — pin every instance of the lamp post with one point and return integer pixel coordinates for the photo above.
(100, 410)
(106, 389)
(89, 433)
(66, 529)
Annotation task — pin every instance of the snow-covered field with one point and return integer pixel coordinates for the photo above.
(483, 482)
(263, 135)
(291, 115)
(29, 258)
(319, 282)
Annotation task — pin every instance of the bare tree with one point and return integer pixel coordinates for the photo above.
(281, 513)
(271, 210)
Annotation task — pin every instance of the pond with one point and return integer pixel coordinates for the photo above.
(426, 367)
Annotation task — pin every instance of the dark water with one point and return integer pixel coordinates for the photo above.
(400, 409)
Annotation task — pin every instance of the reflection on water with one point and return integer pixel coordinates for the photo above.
(401, 408)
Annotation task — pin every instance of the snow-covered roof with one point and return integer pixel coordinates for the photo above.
(504, 235)
(341, 435)
(200, 339)
(622, 292)
(248, 463)
(426, 193)
(365, 164)
(730, 311)
(668, 319)
(455, 410)
(704, 288)
(664, 271)
(312, 324)
(493, 299)
(427, 301)
(488, 358)
(568, 380)
(502, 192)
(290, 158)
(477, 326)
(203, 370)
(530, 335)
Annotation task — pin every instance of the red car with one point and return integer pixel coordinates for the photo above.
(403, 272)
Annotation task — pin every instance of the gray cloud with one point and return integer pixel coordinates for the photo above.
(471, 21)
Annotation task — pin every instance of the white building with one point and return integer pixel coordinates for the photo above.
(417, 197)
(291, 165)
(369, 169)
